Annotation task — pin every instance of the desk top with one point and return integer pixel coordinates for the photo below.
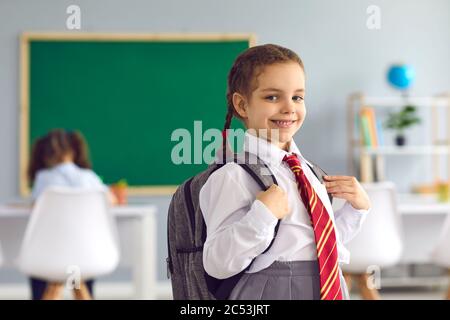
(126, 211)
(409, 204)
(421, 204)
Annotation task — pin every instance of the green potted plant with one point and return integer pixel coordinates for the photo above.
(401, 120)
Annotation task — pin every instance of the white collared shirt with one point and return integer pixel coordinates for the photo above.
(68, 175)
(239, 227)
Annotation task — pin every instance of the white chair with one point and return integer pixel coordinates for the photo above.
(379, 244)
(441, 252)
(71, 233)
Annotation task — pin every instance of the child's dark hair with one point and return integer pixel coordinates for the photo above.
(52, 148)
(245, 70)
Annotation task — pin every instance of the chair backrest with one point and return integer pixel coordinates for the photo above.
(70, 230)
(379, 242)
(441, 252)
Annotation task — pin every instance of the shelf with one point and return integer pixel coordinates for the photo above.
(435, 281)
(373, 168)
(400, 101)
(420, 204)
(405, 150)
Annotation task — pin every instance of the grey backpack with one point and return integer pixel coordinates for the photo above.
(186, 233)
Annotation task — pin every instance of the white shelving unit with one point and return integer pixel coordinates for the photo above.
(405, 150)
(371, 158)
(416, 209)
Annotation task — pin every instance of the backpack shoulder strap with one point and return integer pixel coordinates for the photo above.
(261, 173)
(319, 173)
(265, 179)
(255, 167)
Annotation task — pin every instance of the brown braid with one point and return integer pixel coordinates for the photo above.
(227, 125)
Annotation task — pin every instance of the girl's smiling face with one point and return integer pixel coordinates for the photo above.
(277, 104)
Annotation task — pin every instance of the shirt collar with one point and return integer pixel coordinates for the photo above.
(269, 152)
(64, 166)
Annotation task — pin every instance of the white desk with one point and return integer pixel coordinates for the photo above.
(142, 218)
(411, 204)
(422, 217)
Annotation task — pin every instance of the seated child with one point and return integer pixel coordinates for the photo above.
(61, 158)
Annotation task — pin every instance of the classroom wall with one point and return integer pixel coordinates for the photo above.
(340, 53)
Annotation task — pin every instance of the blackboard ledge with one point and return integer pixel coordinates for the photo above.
(152, 190)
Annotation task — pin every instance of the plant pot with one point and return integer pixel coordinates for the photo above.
(400, 140)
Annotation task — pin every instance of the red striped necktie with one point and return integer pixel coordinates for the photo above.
(330, 285)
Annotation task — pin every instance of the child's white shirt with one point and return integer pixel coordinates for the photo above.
(239, 227)
(66, 174)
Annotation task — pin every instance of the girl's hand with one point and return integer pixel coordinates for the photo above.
(348, 188)
(276, 200)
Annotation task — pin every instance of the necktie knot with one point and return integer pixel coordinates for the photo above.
(293, 162)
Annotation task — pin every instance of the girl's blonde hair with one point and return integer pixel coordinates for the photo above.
(52, 148)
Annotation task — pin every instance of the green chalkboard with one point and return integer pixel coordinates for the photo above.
(128, 95)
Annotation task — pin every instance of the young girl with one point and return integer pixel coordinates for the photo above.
(60, 158)
(266, 90)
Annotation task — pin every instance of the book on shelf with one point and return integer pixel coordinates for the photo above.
(368, 137)
(370, 128)
(371, 132)
(365, 132)
(380, 136)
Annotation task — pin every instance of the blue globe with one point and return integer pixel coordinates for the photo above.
(401, 76)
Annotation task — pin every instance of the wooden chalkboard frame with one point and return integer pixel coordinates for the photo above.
(24, 116)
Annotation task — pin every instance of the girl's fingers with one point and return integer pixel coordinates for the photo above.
(338, 183)
(341, 188)
(343, 195)
(338, 178)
